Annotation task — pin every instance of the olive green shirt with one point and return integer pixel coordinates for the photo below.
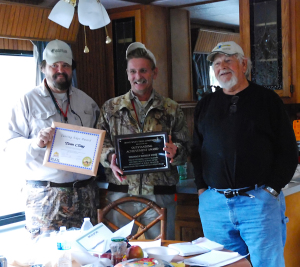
(117, 117)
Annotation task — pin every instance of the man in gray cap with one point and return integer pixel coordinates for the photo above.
(143, 110)
(244, 152)
(53, 197)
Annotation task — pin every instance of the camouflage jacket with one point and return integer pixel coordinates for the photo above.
(117, 117)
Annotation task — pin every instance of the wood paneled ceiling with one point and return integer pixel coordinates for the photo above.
(217, 13)
(30, 22)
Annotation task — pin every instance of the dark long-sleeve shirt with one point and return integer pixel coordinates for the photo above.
(254, 145)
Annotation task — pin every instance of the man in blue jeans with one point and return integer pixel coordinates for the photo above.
(244, 152)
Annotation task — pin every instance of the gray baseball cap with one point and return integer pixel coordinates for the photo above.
(228, 48)
(56, 51)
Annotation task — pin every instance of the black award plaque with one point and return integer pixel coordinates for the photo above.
(140, 153)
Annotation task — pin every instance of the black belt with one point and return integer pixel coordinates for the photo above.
(158, 189)
(76, 184)
(237, 192)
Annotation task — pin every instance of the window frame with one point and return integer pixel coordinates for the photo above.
(18, 216)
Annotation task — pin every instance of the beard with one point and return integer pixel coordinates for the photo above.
(62, 85)
(228, 84)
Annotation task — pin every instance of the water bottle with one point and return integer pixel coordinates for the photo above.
(3, 261)
(87, 225)
(182, 171)
(63, 248)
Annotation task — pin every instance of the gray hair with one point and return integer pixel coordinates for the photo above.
(140, 53)
(240, 57)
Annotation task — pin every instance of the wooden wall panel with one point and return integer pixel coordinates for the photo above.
(208, 39)
(291, 250)
(14, 44)
(181, 55)
(31, 23)
(156, 32)
(91, 68)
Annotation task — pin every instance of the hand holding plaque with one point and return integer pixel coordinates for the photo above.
(140, 153)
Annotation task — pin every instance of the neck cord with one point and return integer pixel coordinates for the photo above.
(68, 95)
(58, 108)
(132, 102)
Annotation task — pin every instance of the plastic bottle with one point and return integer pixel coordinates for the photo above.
(3, 261)
(87, 225)
(63, 249)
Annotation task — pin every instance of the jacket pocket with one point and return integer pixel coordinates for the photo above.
(38, 115)
(40, 120)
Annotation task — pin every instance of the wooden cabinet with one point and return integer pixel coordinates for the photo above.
(290, 21)
(187, 224)
(292, 246)
(288, 85)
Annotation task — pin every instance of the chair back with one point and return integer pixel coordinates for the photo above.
(161, 216)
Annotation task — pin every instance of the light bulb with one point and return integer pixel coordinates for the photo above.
(86, 49)
(108, 40)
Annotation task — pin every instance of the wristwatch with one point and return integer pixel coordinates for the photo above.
(272, 191)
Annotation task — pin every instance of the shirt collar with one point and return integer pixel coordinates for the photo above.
(132, 96)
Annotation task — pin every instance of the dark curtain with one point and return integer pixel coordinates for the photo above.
(38, 50)
(201, 74)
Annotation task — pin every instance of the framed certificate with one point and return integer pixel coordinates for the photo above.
(139, 153)
(75, 149)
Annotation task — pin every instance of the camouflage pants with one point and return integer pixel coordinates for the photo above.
(48, 208)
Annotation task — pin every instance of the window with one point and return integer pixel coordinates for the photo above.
(204, 78)
(213, 80)
(17, 76)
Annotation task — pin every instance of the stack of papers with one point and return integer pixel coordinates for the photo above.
(214, 259)
(199, 246)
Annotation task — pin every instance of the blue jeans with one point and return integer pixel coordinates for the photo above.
(243, 224)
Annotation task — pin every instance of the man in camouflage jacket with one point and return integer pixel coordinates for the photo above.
(143, 110)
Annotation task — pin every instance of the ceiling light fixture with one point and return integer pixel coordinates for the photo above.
(90, 13)
(86, 49)
(108, 40)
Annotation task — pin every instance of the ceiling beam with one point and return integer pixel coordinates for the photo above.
(197, 4)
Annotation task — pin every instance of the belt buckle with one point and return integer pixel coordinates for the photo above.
(228, 194)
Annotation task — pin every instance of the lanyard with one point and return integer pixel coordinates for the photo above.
(58, 108)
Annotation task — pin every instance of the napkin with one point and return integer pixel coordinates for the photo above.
(205, 242)
(214, 259)
(198, 246)
(187, 249)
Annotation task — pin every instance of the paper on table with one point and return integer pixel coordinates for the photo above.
(124, 231)
(99, 237)
(214, 259)
(205, 242)
(188, 249)
(146, 244)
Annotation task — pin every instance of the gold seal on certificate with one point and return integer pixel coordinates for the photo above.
(75, 149)
(140, 153)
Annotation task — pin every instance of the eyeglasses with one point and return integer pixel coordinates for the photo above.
(233, 107)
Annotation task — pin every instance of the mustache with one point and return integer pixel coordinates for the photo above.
(140, 81)
(225, 71)
(56, 74)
